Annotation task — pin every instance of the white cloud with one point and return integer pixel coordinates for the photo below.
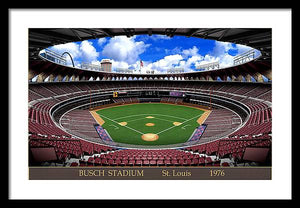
(83, 52)
(167, 62)
(195, 59)
(159, 37)
(124, 49)
(101, 41)
(189, 58)
(125, 53)
(173, 51)
(186, 59)
(220, 53)
(119, 64)
(221, 48)
(190, 52)
(72, 48)
(208, 59)
(88, 51)
(96, 62)
(226, 61)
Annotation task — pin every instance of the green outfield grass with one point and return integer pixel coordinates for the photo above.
(127, 123)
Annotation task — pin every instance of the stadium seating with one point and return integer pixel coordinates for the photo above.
(169, 157)
(43, 131)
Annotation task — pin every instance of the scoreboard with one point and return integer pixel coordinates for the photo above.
(115, 94)
(177, 94)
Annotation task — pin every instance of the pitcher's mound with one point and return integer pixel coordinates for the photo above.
(150, 137)
(150, 124)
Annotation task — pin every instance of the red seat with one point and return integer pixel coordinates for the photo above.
(174, 162)
(138, 162)
(91, 160)
(131, 162)
(201, 160)
(117, 161)
(208, 160)
(167, 162)
(153, 162)
(74, 164)
(195, 161)
(96, 160)
(187, 162)
(104, 161)
(124, 162)
(111, 162)
(160, 162)
(161, 157)
(225, 164)
(146, 162)
(181, 161)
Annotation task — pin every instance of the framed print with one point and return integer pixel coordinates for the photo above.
(177, 101)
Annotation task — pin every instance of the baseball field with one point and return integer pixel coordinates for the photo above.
(150, 123)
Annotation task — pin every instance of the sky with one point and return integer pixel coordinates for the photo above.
(157, 52)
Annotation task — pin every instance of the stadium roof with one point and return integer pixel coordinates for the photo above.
(258, 38)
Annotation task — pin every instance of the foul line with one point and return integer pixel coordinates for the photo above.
(176, 126)
(123, 126)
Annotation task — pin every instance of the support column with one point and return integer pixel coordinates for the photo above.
(41, 77)
(72, 78)
(51, 78)
(239, 78)
(59, 78)
(258, 77)
(31, 74)
(67, 78)
(268, 74)
(202, 78)
(248, 78)
(209, 78)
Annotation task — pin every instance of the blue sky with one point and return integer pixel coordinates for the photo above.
(158, 52)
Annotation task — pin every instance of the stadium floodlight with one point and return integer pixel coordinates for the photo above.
(244, 57)
(92, 67)
(175, 70)
(124, 70)
(209, 66)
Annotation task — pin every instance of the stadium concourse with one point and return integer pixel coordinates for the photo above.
(63, 131)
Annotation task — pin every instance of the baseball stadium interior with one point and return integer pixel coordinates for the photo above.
(63, 132)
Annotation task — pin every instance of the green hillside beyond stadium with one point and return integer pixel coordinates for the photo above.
(150, 123)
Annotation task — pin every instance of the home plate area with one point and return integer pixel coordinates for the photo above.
(150, 127)
(150, 137)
